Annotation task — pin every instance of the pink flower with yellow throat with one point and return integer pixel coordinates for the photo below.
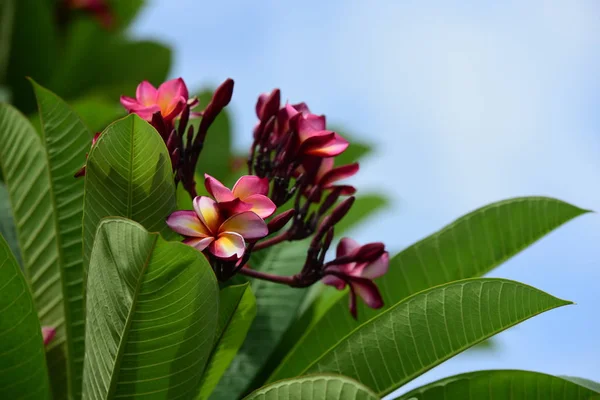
(169, 99)
(249, 189)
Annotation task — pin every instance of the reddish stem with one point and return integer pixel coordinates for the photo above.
(282, 237)
(286, 280)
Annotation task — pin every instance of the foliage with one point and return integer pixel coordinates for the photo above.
(138, 314)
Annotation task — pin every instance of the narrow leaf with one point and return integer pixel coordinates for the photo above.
(469, 247)
(314, 387)
(152, 315)
(129, 175)
(430, 327)
(237, 309)
(22, 361)
(501, 384)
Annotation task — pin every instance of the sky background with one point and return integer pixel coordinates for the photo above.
(466, 103)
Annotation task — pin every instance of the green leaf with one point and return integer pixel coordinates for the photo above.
(430, 327)
(7, 15)
(7, 224)
(277, 306)
(469, 247)
(22, 358)
(314, 387)
(501, 384)
(364, 206)
(47, 207)
(237, 309)
(129, 175)
(152, 315)
(33, 52)
(215, 158)
(96, 112)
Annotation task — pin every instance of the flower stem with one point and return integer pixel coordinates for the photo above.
(282, 237)
(286, 280)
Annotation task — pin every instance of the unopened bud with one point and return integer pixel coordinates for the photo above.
(279, 221)
(223, 94)
(341, 210)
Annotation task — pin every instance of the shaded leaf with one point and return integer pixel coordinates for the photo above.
(470, 246)
(237, 309)
(152, 315)
(96, 112)
(22, 358)
(129, 175)
(501, 384)
(430, 327)
(7, 224)
(314, 387)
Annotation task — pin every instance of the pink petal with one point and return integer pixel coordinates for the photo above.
(146, 94)
(199, 243)
(332, 148)
(187, 223)
(229, 245)
(377, 268)
(217, 189)
(248, 185)
(235, 206)
(346, 246)
(345, 190)
(173, 88)
(302, 108)
(261, 205)
(338, 173)
(334, 281)
(325, 166)
(129, 103)
(208, 212)
(48, 334)
(247, 224)
(260, 104)
(312, 122)
(367, 291)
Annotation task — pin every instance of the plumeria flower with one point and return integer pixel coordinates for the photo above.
(170, 99)
(48, 334)
(249, 189)
(209, 227)
(357, 266)
(99, 8)
(327, 175)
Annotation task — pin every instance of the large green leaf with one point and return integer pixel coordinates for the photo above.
(314, 387)
(22, 360)
(277, 306)
(7, 15)
(430, 327)
(469, 247)
(152, 315)
(47, 203)
(237, 309)
(7, 223)
(502, 384)
(129, 175)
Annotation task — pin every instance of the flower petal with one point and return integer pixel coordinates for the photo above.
(48, 334)
(146, 94)
(229, 245)
(368, 291)
(217, 189)
(199, 243)
(187, 223)
(129, 103)
(377, 268)
(208, 212)
(261, 205)
(248, 185)
(311, 122)
(325, 166)
(339, 173)
(331, 148)
(235, 206)
(247, 224)
(172, 98)
(346, 246)
(334, 281)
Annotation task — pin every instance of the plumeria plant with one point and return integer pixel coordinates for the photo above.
(141, 258)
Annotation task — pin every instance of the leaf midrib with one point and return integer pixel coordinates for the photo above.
(461, 349)
(123, 341)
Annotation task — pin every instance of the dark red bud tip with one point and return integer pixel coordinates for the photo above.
(279, 221)
(370, 252)
(271, 104)
(341, 210)
(223, 94)
(80, 173)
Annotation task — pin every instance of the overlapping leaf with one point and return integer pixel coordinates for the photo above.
(129, 175)
(502, 384)
(23, 365)
(152, 311)
(430, 327)
(237, 309)
(469, 247)
(314, 387)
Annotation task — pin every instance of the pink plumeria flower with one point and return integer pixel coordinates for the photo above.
(170, 99)
(327, 175)
(208, 227)
(249, 189)
(357, 266)
(48, 334)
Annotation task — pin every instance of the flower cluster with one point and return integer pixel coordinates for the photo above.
(291, 164)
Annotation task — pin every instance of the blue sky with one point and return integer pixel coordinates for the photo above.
(466, 102)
